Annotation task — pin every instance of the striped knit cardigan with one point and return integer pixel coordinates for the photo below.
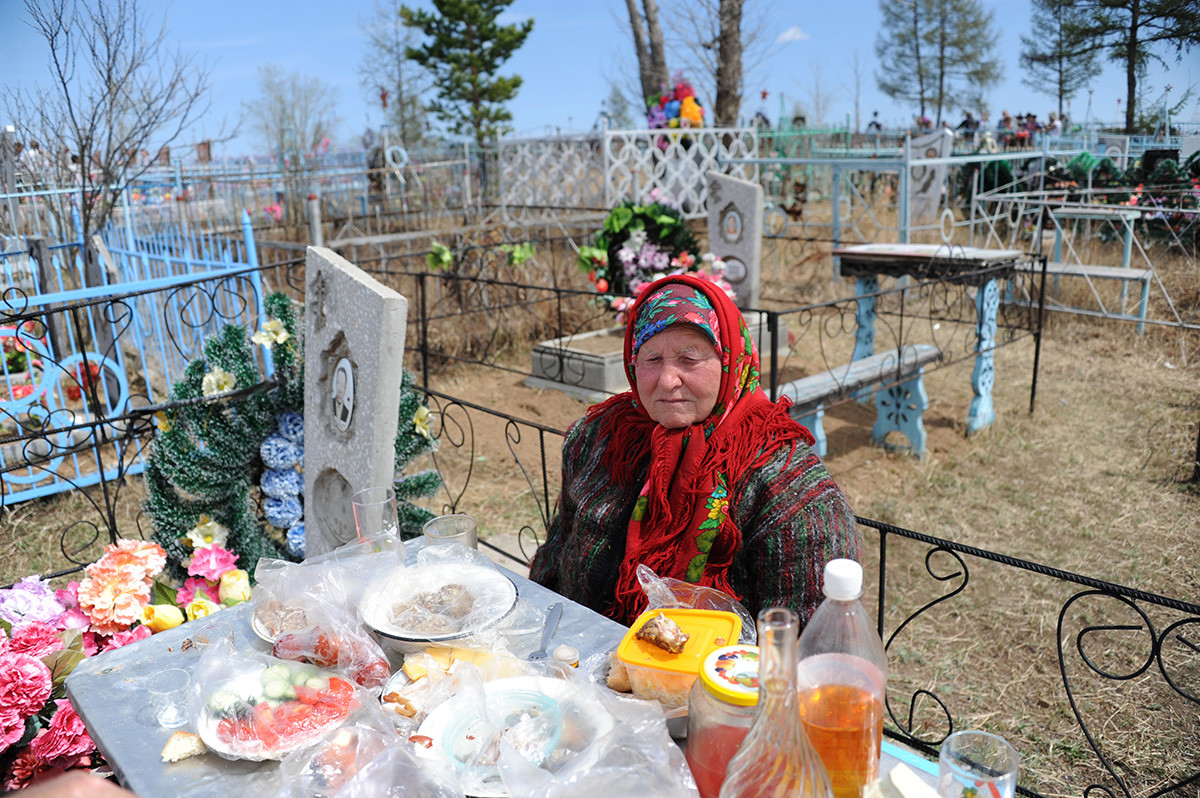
(792, 515)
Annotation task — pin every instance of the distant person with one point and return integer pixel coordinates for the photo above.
(1055, 129)
(873, 126)
(969, 124)
(1006, 130)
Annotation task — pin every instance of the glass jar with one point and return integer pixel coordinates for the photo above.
(720, 710)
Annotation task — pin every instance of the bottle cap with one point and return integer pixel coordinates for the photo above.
(843, 580)
(731, 674)
(567, 655)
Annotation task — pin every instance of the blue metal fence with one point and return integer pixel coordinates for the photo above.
(79, 357)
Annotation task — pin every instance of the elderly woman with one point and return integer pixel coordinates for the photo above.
(694, 472)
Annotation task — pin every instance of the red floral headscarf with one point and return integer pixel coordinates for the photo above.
(680, 525)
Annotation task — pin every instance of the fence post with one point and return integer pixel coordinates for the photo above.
(255, 276)
(315, 234)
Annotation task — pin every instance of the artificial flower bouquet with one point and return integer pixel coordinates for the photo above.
(675, 106)
(44, 633)
(640, 243)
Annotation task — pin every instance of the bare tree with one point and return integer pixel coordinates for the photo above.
(722, 44)
(818, 94)
(117, 92)
(294, 117)
(857, 70)
(648, 44)
(390, 77)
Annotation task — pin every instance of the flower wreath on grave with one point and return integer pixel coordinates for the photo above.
(640, 243)
(228, 465)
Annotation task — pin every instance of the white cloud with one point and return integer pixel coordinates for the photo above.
(792, 34)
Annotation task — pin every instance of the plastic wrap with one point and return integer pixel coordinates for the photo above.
(630, 753)
(365, 758)
(664, 591)
(336, 641)
(253, 706)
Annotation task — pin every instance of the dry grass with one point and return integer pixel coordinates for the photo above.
(1094, 482)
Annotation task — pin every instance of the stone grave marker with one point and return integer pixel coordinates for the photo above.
(735, 211)
(353, 356)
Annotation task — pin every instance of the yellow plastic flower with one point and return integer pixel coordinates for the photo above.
(272, 332)
(160, 617)
(234, 588)
(201, 607)
(690, 110)
(207, 532)
(421, 420)
(162, 422)
(217, 381)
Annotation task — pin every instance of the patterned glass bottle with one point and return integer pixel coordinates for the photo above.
(776, 758)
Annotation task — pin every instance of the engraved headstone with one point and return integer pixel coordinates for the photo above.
(925, 181)
(353, 355)
(735, 232)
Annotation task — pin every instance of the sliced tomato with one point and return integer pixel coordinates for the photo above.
(307, 695)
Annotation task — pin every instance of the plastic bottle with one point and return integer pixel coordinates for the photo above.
(842, 676)
(721, 710)
(776, 759)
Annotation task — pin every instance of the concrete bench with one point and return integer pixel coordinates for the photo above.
(899, 407)
(1057, 269)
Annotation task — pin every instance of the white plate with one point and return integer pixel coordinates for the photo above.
(246, 686)
(548, 715)
(494, 596)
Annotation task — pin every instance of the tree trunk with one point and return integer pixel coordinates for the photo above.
(1131, 66)
(648, 44)
(729, 65)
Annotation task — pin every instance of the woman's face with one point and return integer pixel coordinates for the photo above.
(678, 376)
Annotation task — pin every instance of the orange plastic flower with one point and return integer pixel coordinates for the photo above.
(113, 597)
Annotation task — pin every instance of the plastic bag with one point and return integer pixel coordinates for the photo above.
(664, 592)
(363, 759)
(608, 745)
(253, 706)
(286, 592)
(336, 641)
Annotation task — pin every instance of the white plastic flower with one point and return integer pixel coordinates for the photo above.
(217, 381)
(272, 332)
(421, 420)
(207, 533)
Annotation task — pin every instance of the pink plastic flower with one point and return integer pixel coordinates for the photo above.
(65, 739)
(126, 637)
(29, 769)
(25, 684)
(72, 617)
(35, 639)
(211, 561)
(12, 727)
(187, 593)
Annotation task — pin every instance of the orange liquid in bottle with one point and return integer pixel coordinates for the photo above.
(845, 725)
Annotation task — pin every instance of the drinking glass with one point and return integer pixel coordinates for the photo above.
(169, 690)
(375, 514)
(977, 763)
(456, 528)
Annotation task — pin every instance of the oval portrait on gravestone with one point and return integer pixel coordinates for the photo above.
(731, 225)
(342, 406)
(735, 270)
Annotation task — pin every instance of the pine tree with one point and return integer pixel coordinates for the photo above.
(466, 49)
(1050, 64)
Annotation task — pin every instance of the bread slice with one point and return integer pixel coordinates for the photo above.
(183, 745)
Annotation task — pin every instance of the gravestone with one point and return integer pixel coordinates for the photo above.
(735, 209)
(353, 356)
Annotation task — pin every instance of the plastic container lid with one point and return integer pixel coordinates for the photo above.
(843, 580)
(731, 674)
(707, 629)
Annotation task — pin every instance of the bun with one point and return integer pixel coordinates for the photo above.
(183, 745)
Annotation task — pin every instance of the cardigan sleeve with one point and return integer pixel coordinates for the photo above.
(794, 519)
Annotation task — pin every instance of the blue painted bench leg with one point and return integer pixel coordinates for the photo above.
(817, 428)
(982, 412)
(1141, 327)
(901, 409)
(864, 326)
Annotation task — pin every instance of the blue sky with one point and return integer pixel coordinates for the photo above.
(575, 49)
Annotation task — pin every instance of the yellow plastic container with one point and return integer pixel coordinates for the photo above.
(658, 674)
